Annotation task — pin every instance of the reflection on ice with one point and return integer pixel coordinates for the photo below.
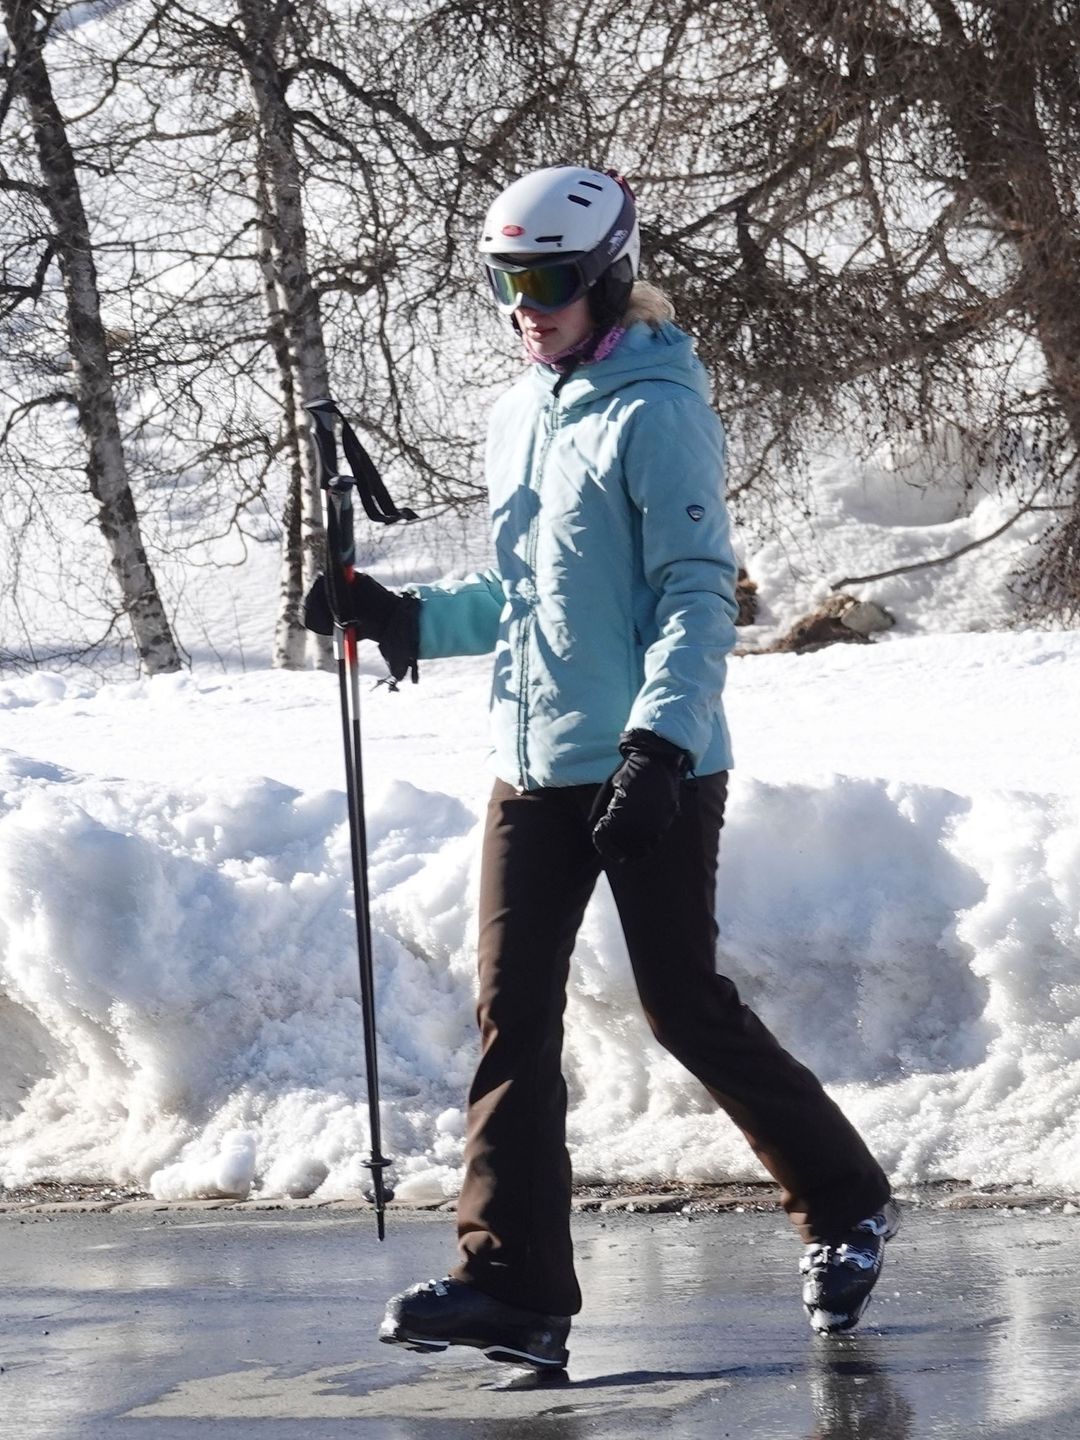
(853, 1398)
(1035, 1349)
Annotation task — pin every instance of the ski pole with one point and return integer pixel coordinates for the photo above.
(340, 564)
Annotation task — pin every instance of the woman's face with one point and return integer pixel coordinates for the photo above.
(548, 334)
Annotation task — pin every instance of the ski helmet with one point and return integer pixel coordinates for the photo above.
(561, 233)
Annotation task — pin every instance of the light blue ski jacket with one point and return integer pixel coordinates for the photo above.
(612, 604)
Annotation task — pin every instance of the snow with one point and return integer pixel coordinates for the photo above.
(909, 503)
(899, 896)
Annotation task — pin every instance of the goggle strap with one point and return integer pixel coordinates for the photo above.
(593, 265)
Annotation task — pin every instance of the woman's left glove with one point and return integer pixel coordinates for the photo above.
(390, 619)
(636, 806)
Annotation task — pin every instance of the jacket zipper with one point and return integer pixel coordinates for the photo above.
(532, 538)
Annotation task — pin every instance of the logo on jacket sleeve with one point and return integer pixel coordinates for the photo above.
(695, 511)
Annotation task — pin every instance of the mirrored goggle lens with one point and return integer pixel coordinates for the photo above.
(548, 288)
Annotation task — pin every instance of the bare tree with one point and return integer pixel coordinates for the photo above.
(298, 213)
(280, 197)
(243, 55)
(369, 163)
(72, 245)
(869, 212)
(289, 645)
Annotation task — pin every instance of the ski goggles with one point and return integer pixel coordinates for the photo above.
(544, 287)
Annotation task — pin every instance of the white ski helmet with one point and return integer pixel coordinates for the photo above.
(552, 236)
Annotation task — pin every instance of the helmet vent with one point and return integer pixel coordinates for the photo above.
(591, 185)
(580, 199)
(549, 239)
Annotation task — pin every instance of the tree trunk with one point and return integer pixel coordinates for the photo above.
(98, 420)
(290, 639)
(996, 120)
(985, 78)
(309, 371)
(994, 115)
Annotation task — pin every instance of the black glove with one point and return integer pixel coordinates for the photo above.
(636, 806)
(391, 620)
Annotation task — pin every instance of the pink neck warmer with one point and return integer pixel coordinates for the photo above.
(564, 360)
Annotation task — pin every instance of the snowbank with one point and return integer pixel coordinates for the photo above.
(899, 893)
(905, 505)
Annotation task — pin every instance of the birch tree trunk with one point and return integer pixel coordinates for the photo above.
(308, 372)
(106, 466)
(290, 637)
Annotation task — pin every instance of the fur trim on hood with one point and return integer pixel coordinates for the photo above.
(649, 304)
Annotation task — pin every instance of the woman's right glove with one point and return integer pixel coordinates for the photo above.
(390, 619)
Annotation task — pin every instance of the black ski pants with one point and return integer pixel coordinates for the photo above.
(539, 868)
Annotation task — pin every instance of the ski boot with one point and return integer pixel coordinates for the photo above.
(839, 1278)
(430, 1316)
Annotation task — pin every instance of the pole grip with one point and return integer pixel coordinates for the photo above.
(340, 548)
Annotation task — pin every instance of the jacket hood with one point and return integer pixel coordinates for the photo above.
(643, 353)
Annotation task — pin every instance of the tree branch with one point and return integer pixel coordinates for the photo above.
(19, 293)
(55, 397)
(940, 559)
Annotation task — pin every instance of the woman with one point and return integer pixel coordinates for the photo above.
(610, 615)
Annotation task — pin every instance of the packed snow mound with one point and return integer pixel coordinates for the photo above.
(903, 506)
(226, 1175)
(178, 979)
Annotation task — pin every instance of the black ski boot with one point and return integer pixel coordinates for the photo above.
(838, 1278)
(438, 1313)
